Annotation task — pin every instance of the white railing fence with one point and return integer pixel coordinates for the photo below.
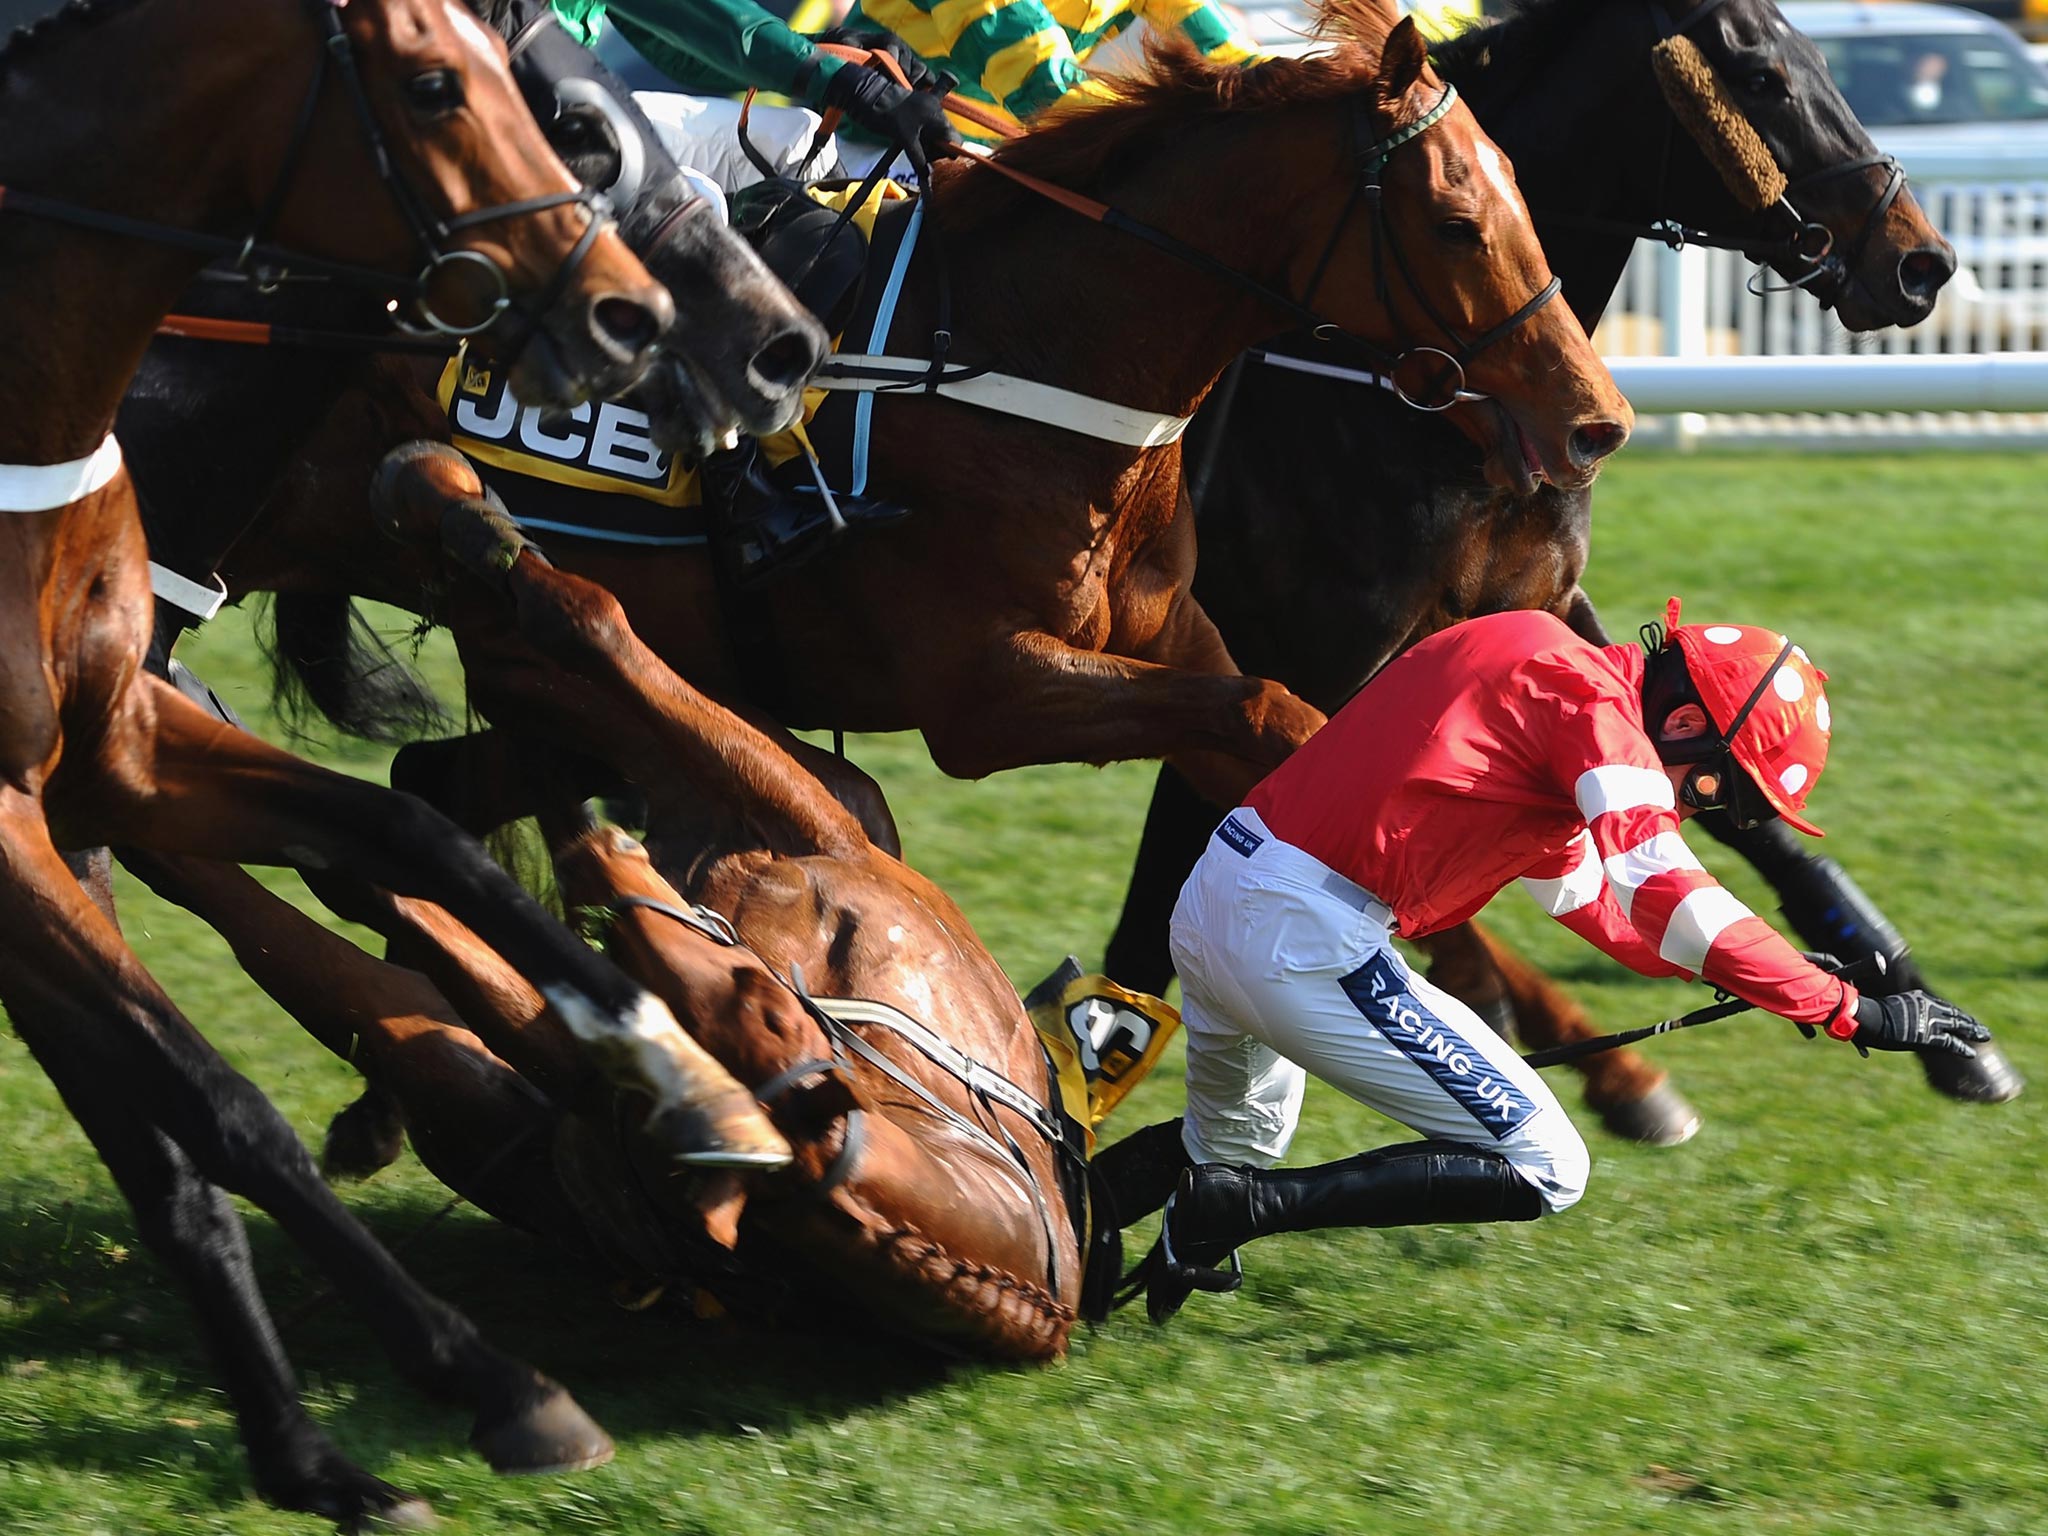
(1695, 305)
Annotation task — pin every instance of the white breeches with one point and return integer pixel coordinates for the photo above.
(1287, 965)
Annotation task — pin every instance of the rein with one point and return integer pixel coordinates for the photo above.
(269, 263)
(1439, 388)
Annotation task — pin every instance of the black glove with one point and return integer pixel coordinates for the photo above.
(1914, 1021)
(915, 70)
(913, 120)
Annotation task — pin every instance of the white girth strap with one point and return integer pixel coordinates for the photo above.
(1100, 419)
(46, 487)
(185, 594)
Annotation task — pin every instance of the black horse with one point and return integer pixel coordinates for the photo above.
(1338, 527)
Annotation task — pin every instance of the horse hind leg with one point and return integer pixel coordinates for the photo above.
(1634, 1099)
(220, 792)
(121, 1051)
(194, 1230)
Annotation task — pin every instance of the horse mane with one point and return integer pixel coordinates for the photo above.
(1520, 38)
(73, 16)
(1080, 144)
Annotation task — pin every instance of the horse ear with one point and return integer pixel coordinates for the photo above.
(1402, 59)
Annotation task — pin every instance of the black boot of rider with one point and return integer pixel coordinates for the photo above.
(1127, 1181)
(771, 520)
(1215, 1208)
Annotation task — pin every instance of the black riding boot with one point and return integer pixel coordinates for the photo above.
(1126, 1182)
(1216, 1207)
(769, 520)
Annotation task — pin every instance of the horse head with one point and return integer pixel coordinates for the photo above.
(742, 348)
(513, 255)
(1754, 97)
(1437, 255)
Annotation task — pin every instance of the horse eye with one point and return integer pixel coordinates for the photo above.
(434, 93)
(1763, 82)
(1459, 232)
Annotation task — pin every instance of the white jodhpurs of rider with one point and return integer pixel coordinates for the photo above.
(1286, 965)
(704, 132)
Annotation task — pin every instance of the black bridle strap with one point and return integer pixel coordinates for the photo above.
(1677, 236)
(1371, 159)
(338, 55)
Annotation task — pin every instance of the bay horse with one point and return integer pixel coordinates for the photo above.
(1103, 564)
(367, 140)
(935, 1192)
(1052, 620)
(1337, 528)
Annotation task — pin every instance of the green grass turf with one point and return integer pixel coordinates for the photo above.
(1824, 1315)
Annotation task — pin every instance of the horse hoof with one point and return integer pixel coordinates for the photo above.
(1660, 1118)
(1986, 1078)
(729, 1130)
(551, 1434)
(366, 1137)
(408, 1514)
(349, 1496)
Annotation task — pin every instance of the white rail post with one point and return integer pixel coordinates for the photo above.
(1682, 296)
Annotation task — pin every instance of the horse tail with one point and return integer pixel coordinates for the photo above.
(328, 663)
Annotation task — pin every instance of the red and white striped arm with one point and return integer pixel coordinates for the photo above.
(1682, 912)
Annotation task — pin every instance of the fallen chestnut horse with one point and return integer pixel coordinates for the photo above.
(935, 1188)
(374, 139)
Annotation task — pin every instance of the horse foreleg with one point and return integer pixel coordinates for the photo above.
(1036, 699)
(218, 792)
(1632, 1098)
(121, 1051)
(480, 1126)
(1829, 911)
(1178, 824)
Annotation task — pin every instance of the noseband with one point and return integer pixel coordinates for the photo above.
(1807, 242)
(268, 264)
(1422, 376)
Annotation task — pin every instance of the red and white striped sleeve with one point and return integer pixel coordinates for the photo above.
(1651, 881)
(1572, 889)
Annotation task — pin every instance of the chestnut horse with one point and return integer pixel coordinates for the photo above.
(1115, 569)
(1337, 528)
(1036, 609)
(942, 1200)
(375, 136)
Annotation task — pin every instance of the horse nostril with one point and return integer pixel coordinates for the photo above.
(787, 360)
(630, 325)
(1594, 441)
(1922, 272)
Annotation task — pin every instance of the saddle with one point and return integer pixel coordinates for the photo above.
(820, 255)
(759, 506)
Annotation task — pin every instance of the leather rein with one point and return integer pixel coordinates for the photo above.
(1440, 383)
(269, 264)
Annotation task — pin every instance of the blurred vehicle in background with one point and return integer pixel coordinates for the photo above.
(1950, 92)
(2029, 18)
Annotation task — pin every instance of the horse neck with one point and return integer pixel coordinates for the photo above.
(1063, 300)
(78, 308)
(1579, 115)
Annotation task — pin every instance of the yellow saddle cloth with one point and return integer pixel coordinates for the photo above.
(647, 495)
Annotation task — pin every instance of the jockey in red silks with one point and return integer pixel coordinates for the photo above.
(1498, 749)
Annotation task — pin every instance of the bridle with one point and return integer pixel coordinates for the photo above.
(1424, 376)
(1806, 242)
(269, 264)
